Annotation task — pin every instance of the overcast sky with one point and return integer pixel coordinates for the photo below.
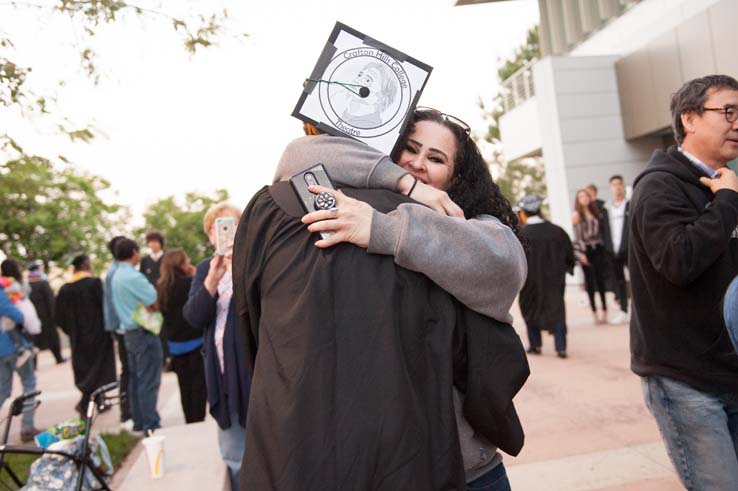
(172, 123)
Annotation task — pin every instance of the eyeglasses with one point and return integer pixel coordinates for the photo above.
(447, 117)
(731, 112)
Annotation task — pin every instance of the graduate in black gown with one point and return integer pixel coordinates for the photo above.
(79, 313)
(351, 388)
(43, 300)
(550, 257)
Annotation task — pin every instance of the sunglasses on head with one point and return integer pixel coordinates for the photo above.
(446, 117)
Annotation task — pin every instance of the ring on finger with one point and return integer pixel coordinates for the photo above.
(333, 211)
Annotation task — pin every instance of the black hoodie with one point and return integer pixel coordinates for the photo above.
(683, 254)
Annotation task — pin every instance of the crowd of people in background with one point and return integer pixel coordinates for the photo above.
(101, 316)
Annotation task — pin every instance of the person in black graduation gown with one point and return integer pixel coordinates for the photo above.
(42, 298)
(151, 268)
(550, 256)
(79, 313)
(351, 384)
(151, 263)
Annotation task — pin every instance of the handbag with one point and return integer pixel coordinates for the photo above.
(151, 321)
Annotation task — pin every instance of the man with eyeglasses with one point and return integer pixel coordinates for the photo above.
(682, 256)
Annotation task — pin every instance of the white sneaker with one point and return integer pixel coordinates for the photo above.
(619, 318)
(127, 425)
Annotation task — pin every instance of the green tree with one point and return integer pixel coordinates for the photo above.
(48, 206)
(181, 222)
(523, 176)
(49, 210)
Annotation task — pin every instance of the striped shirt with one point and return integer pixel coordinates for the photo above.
(587, 234)
(703, 167)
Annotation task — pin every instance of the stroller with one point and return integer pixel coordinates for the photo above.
(76, 463)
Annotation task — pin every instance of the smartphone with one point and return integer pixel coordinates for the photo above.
(314, 176)
(225, 232)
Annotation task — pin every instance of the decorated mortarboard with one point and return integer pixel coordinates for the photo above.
(362, 88)
(530, 204)
(73, 254)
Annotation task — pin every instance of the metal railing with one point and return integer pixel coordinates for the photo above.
(519, 87)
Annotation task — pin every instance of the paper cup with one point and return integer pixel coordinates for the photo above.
(154, 446)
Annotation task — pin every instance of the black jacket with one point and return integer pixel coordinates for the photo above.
(151, 269)
(352, 380)
(177, 328)
(683, 254)
(622, 252)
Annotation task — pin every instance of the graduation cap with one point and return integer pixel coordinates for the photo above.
(530, 204)
(74, 256)
(35, 264)
(362, 88)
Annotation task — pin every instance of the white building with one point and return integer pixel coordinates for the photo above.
(597, 103)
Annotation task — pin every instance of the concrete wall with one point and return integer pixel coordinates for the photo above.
(639, 25)
(581, 130)
(702, 44)
(520, 129)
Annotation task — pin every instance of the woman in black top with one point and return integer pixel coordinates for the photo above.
(183, 340)
(589, 249)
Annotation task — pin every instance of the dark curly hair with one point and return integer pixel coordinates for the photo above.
(11, 267)
(691, 97)
(472, 186)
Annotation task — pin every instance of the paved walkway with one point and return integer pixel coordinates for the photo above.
(586, 425)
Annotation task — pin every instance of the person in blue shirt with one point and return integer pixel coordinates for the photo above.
(130, 289)
(8, 357)
(112, 324)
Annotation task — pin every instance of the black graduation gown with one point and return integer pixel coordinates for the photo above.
(151, 269)
(352, 383)
(79, 313)
(550, 256)
(42, 298)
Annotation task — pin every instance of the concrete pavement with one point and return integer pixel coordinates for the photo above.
(586, 425)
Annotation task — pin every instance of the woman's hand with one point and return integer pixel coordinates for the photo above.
(582, 259)
(218, 267)
(351, 220)
(435, 199)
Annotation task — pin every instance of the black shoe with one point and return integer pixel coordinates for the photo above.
(534, 351)
(561, 354)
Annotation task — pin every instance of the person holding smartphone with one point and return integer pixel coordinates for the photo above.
(210, 308)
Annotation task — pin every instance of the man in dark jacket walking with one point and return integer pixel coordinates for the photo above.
(683, 253)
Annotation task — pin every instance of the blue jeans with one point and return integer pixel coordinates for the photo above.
(700, 431)
(730, 311)
(28, 380)
(232, 442)
(145, 359)
(559, 332)
(494, 480)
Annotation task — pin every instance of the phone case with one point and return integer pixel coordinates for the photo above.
(225, 232)
(316, 175)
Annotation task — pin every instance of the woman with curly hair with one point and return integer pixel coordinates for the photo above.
(479, 260)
